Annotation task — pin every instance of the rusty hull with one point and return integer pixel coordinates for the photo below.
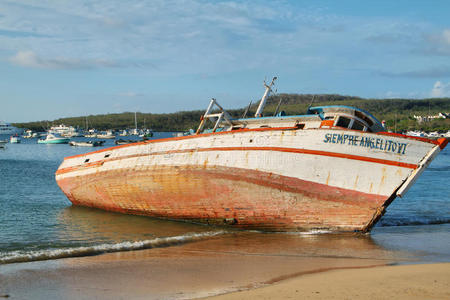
(239, 197)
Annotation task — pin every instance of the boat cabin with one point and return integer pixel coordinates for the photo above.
(346, 117)
(332, 116)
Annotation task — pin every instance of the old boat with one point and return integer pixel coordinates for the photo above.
(334, 168)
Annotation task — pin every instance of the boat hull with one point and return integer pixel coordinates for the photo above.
(57, 141)
(262, 179)
(248, 199)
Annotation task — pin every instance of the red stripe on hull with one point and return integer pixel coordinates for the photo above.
(244, 130)
(278, 149)
(244, 198)
(187, 137)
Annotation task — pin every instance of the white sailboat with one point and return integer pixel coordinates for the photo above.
(135, 130)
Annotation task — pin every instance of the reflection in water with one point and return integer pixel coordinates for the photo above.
(296, 245)
(89, 224)
(87, 232)
(81, 224)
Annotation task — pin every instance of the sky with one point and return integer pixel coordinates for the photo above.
(63, 58)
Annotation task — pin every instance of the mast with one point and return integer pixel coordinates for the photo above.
(262, 103)
(135, 122)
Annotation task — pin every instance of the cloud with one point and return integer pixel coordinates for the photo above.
(30, 59)
(435, 72)
(391, 95)
(389, 38)
(438, 44)
(440, 89)
(131, 94)
(446, 36)
(192, 37)
(196, 36)
(20, 34)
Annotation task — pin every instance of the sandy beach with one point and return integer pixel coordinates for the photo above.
(426, 281)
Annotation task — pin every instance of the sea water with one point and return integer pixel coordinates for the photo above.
(37, 221)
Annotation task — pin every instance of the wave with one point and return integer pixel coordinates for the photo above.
(409, 222)
(47, 254)
(310, 232)
(444, 168)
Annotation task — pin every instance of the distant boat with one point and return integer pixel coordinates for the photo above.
(72, 134)
(8, 129)
(65, 131)
(416, 133)
(135, 130)
(14, 139)
(29, 134)
(147, 133)
(2, 144)
(107, 135)
(92, 133)
(124, 142)
(87, 144)
(433, 134)
(53, 139)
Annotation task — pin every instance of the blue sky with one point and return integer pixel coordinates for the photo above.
(73, 58)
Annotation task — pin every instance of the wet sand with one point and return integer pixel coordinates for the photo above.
(234, 262)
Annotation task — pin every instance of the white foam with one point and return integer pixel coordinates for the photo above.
(26, 256)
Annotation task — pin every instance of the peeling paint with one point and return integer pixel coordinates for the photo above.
(273, 179)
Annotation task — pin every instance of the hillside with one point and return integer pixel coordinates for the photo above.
(398, 114)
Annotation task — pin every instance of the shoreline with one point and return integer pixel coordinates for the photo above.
(240, 265)
(196, 274)
(194, 270)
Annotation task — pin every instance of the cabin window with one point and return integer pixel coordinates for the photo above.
(343, 122)
(357, 125)
(363, 117)
(86, 160)
(300, 126)
(107, 155)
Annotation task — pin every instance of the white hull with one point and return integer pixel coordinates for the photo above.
(379, 168)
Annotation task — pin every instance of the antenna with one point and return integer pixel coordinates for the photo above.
(311, 101)
(262, 103)
(278, 107)
(247, 109)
